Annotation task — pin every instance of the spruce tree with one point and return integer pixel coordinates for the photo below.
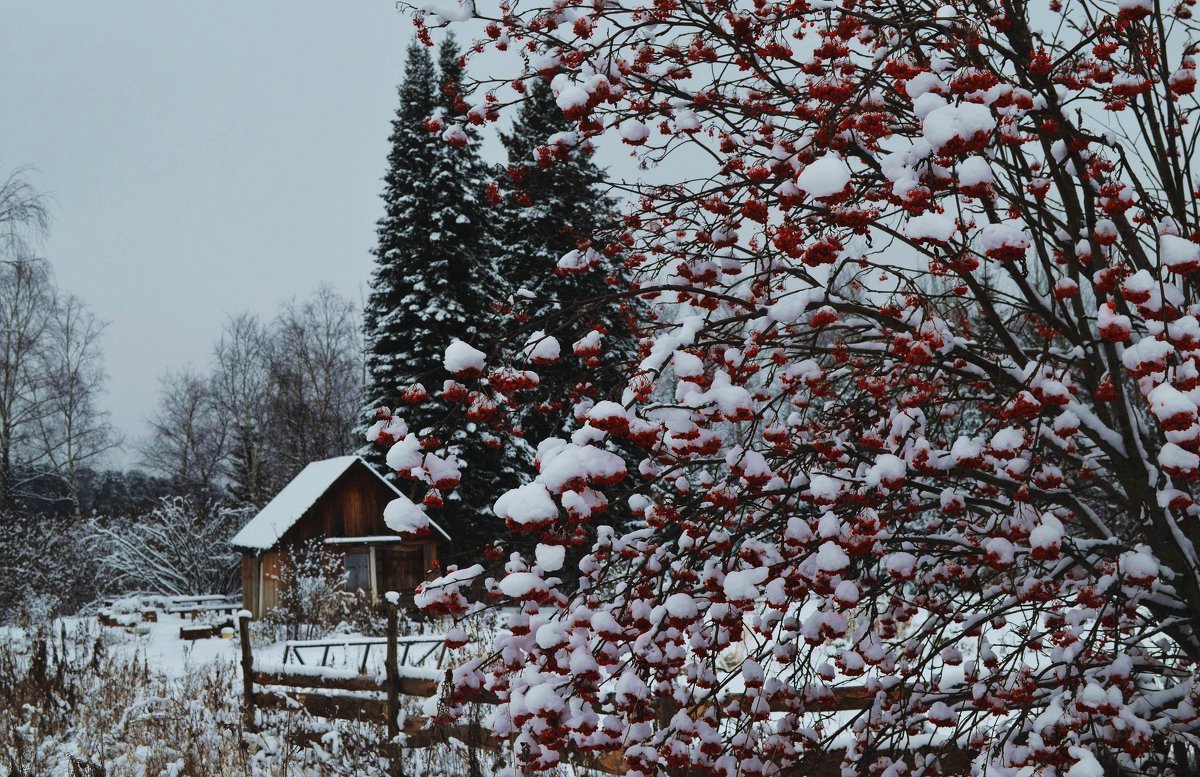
(435, 280)
(403, 333)
(556, 204)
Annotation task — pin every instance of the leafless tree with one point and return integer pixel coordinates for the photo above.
(73, 430)
(189, 435)
(280, 394)
(27, 302)
(242, 391)
(26, 297)
(23, 216)
(51, 375)
(316, 376)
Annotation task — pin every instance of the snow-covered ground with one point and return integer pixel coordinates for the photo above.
(158, 643)
(140, 702)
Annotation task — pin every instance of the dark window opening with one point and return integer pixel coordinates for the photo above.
(358, 570)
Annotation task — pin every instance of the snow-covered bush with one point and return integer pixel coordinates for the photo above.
(313, 600)
(179, 547)
(49, 567)
(917, 399)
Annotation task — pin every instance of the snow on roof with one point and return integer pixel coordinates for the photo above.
(297, 497)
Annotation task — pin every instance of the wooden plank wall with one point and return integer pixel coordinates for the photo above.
(250, 583)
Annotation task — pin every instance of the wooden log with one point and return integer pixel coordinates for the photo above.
(106, 619)
(193, 633)
(360, 682)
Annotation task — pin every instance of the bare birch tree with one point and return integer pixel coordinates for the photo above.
(51, 376)
(189, 435)
(316, 375)
(280, 394)
(25, 298)
(73, 430)
(26, 313)
(242, 393)
(23, 216)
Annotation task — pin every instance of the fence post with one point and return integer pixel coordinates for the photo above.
(393, 684)
(39, 662)
(393, 671)
(247, 669)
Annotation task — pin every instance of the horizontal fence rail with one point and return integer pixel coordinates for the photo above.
(408, 647)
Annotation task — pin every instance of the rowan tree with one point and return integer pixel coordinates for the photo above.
(918, 406)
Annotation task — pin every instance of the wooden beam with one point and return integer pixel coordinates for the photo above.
(392, 669)
(407, 686)
(339, 706)
(953, 759)
(417, 735)
(360, 682)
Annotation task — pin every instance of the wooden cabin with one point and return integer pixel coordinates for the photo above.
(340, 500)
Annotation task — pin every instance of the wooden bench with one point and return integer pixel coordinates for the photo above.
(190, 611)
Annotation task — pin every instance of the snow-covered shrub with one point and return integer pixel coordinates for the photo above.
(313, 600)
(78, 702)
(48, 567)
(179, 547)
(70, 697)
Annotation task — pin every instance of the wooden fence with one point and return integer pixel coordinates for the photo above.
(339, 695)
(369, 698)
(359, 696)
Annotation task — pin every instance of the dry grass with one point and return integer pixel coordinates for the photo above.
(72, 705)
(69, 705)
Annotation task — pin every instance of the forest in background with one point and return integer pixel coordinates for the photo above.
(223, 438)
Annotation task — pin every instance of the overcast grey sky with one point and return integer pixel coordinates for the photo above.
(202, 158)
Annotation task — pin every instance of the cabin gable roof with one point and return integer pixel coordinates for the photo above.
(268, 527)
